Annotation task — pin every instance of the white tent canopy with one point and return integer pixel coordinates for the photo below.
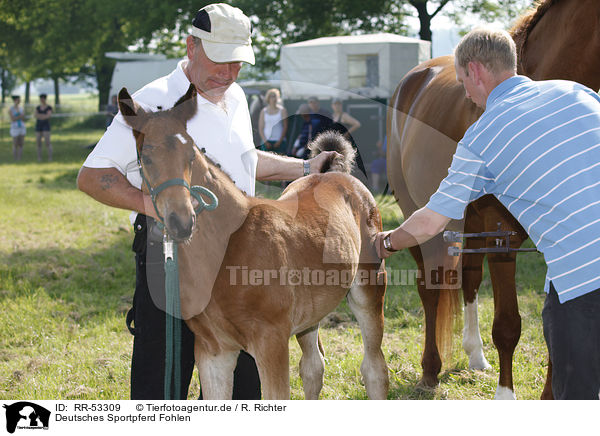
(134, 70)
(338, 66)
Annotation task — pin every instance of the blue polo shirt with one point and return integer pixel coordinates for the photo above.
(537, 149)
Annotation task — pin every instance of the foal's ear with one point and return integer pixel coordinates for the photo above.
(187, 105)
(132, 112)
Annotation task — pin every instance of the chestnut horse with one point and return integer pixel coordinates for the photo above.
(428, 115)
(255, 271)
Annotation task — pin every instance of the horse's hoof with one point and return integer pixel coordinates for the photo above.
(427, 384)
(479, 363)
(504, 393)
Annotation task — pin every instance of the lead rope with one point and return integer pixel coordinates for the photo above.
(173, 320)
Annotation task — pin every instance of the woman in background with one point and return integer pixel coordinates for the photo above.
(272, 124)
(42, 127)
(343, 121)
(17, 127)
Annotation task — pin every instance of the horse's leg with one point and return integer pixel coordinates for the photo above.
(271, 352)
(216, 373)
(431, 361)
(472, 275)
(472, 343)
(366, 302)
(438, 286)
(312, 364)
(506, 329)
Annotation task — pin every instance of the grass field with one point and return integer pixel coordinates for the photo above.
(67, 278)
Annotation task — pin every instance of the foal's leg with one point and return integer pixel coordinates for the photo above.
(472, 276)
(366, 302)
(271, 352)
(506, 329)
(312, 364)
(216, 373)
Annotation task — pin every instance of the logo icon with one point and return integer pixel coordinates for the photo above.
(26, 415)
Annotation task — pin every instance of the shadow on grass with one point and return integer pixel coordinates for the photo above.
(92, 281)
(409, 391)
(61, 181)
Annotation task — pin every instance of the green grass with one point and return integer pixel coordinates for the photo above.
(67, 278)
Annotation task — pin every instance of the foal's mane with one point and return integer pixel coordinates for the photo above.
(526, 22)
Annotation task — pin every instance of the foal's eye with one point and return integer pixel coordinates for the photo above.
(147, 160)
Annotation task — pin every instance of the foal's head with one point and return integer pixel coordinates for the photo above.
(165, 152)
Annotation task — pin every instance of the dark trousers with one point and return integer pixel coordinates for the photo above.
(149, 347)
(572, 332)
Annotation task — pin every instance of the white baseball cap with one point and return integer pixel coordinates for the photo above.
(225, 33)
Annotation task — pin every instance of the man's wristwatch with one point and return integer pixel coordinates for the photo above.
(306, 167)
(387, 243)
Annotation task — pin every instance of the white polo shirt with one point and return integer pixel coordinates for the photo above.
(225, 134)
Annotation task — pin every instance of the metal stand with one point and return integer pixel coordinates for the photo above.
(502, 242)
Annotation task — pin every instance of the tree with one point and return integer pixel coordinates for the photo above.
(62, 36)
(46, 38)
(8, 81)
(425, 17)
(503, 12)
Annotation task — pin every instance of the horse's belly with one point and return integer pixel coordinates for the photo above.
(430, 115)
(426, 154)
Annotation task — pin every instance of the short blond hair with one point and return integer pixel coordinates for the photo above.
(495, 49)
(270, 92)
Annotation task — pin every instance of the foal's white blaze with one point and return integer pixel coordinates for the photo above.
(180, 137)
(472, 343)
(504, 393)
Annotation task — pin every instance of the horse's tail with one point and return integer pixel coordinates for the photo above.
(448, 309)
(334, 141)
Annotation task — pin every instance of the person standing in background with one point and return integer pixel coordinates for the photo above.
(321, 119)
(272, 124)
(17, 127)
(378, 166)
(43, 112)
(300, 146)
(343, 120)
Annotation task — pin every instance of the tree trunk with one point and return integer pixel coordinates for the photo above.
(56, 91)
(424, 21)
(3, 78)
(27, 91)
(425, 18)
(104, 71)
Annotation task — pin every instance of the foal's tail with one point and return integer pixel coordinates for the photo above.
(334, 141)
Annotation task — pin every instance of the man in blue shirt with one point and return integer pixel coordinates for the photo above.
(537, 149)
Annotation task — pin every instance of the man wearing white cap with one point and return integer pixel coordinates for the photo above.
(219, 43)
